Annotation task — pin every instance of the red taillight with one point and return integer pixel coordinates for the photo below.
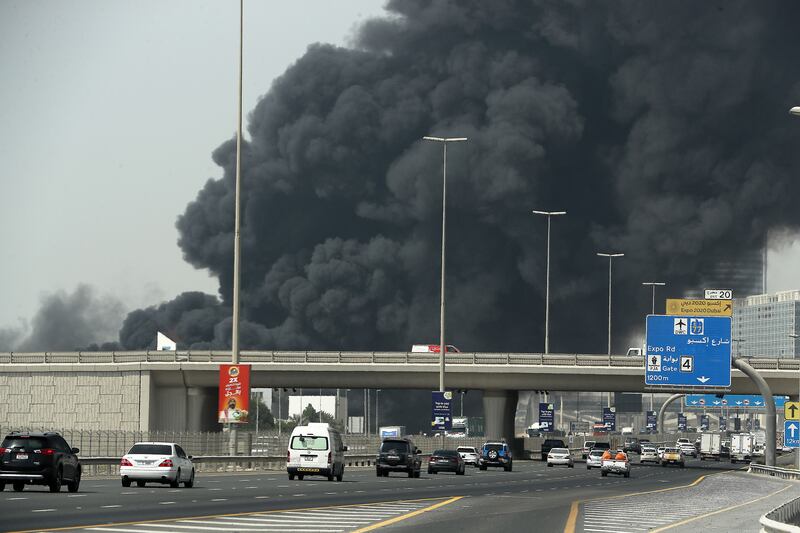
(288, 456)
(3, 450)
(45, 451)
(125, 462)
(431, 459)
(330, 457)
(166, 463)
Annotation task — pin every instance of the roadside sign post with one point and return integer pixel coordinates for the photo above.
(610, 418)
(652, 421)
(681, 422)
(546, 417)
(688, 351)
(791, 434)
(441, 411)
(704, 422)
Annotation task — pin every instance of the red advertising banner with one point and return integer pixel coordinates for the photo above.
(234, 394)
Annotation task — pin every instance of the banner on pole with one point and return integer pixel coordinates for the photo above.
(234, 394)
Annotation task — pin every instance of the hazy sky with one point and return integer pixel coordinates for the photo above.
(109, 112)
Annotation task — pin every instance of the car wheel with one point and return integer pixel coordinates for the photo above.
(140, 483)
(571, 465)
(75, 484)
(627, 474)
(177, 481)
(378, 472)
(683, 465)
(410, 473)
(18, 487)
(549, 464)
(604, 474)
(417, 473)
(189, 484)
(300, 477)
(482, 467)
(291, 477)
(55, 482)
(430, 471)
(126, 482)
(2, 487)
(588, 467)
(340, 475)
(460, 472)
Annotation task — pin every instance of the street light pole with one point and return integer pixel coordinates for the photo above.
(653, 285)
(442, 346)
(237, 249)
(610, 257)
(795, 336)
(548, 214)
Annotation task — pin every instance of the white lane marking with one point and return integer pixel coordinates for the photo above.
(219, 499)
(12, 499)
(42, 510)
(251, 487)
(215, 489)
(262, 497)
(76, 495)
(109, 506)
(166, 503)
(208, 528)
(121, 530)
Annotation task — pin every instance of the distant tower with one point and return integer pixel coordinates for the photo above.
(745, 275)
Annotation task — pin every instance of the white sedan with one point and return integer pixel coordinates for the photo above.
(560, 456)
(157, 462)
(469, 454)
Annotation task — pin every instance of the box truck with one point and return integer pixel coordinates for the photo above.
(741, 447)
(710, 446)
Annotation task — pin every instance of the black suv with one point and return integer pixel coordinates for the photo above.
(38, 459)
(632, 444)
(398, 455)
(495, 454)
(549, 444)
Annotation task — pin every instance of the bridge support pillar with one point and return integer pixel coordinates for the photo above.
(499, 410)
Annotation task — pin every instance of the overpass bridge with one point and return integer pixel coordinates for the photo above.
(158, 389)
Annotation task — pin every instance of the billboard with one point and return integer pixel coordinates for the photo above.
(546, 417)
(704, 422)
(652, 421)
(234, 394)
(610, 418)
(723, 424)
(681, 422)
(441, 411)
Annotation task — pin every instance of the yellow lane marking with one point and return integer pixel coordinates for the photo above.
(572, 519)
(676, 524)
(142, 522)
(408, 515)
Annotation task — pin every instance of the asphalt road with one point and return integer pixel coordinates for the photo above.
(494, 500)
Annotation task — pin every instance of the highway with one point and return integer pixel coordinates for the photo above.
(479, 501)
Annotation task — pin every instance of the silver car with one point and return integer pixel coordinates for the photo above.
(649, 454)
(594, 459)
(560, 456)
(469, 454)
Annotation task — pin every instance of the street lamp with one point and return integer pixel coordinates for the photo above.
(548, 214)
(795, 336)
(652, 284)
(610, 257)
(442, 346)
(795, 111)
(377, 411)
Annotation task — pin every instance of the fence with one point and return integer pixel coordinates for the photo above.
(782, 519)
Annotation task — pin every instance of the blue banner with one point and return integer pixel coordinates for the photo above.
(546, 417)
(723, 424)
(737, 424)
(652, 421)
(681, 422)
(610, 418)
(704, 422)
(441, 413)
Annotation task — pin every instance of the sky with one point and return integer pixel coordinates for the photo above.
(110, 111)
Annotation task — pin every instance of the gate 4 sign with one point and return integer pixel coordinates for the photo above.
(688, 351)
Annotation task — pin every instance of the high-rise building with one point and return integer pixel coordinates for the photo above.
(745, 275)
(766, 325)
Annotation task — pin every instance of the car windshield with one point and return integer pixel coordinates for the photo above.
(446, 453)
(150, 449)
(309, 442)
(588, 444)
(671, 450)
(559, 450)
(465, 449)
(29, 443)
(493, 447)
(394, 446)
(602, 445)
(596, 453)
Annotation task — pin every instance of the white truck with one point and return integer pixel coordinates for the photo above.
(741, 447)
(710, 446)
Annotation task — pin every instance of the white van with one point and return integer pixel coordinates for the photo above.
(315, 450)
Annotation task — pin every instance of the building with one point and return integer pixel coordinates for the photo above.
(746, 275)
(767, 325)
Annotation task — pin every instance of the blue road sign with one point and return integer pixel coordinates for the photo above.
(688, 351)
(441, 414)
(610, 418)
(791, 434)
(681, 422)
(546, 417)
(741, 401)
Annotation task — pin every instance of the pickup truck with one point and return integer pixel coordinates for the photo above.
(672, 456)
(618, 464)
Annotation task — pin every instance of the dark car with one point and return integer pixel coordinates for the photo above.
(38, 459)
(495, 454)
(632, 444)
(446, 461)
(398, 455)
(601, 446)
(549, 444)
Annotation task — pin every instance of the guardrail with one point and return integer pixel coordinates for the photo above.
(218, 463)
(778, 520)
(378, 358)
(775, 471)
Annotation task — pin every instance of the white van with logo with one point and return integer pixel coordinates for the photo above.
(315, 450)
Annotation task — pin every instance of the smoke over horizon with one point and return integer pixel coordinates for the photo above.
(661, 129)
